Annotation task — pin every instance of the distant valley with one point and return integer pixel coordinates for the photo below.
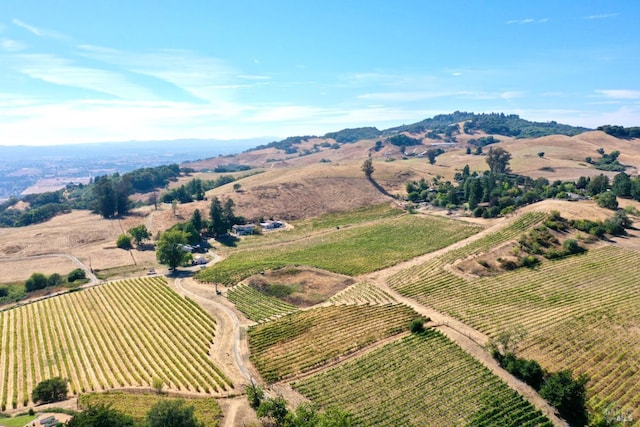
(37, 169)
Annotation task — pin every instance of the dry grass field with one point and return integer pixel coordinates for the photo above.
(85, 235)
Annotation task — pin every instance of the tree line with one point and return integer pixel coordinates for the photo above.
(106, 195)
(491, 123)
(561, 389)
(497, 192)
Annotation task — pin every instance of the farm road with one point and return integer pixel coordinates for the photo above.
(228, 325)
(92, 277)
(229, 351)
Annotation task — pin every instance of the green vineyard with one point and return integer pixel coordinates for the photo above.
(307, 339)
(362, 293)
(349, 251)
(580, 313)
(420, 380)
(122, 334)
(257, 306)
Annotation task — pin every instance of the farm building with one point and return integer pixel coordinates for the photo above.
(244, 229)
(271, 225)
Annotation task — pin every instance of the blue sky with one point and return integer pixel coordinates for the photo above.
(78, 71)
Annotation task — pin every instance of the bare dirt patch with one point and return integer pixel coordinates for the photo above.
(303, 287)
(583, 209)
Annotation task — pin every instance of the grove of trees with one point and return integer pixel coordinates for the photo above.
(111, 195)
(497, 192)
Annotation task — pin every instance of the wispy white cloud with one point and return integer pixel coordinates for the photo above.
(9, 45)
(602, 16)
(553, 94)
(202, 76)
(619, 93)
(54, 69)
(527, 21)
(511, 94)
(37, 31)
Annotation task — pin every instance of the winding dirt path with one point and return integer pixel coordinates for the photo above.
(230, 350)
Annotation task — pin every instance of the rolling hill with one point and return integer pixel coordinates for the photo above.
(319, 311)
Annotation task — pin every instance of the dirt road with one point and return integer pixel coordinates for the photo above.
(229, 351)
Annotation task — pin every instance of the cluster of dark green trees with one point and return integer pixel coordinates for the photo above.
(231, 167)
(346, 136)
(40, 281)
(608, 162)
(493, 123)
(195, 189)
(275, 412)
(560, 389)
(221, 219)
(110, 194)
(41, 208)
(51, 390)
(402, 140)
(621, 131)
(164, 413)
(106, 195)
(497, 192)
(288, 145)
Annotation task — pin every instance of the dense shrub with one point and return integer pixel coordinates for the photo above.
(124, 242)
(416, 326)
(528, 371)
(51, 390)
(568, 395)
(77, 274)
(35, 282)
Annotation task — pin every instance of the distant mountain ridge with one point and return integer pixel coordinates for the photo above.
(492, 123)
